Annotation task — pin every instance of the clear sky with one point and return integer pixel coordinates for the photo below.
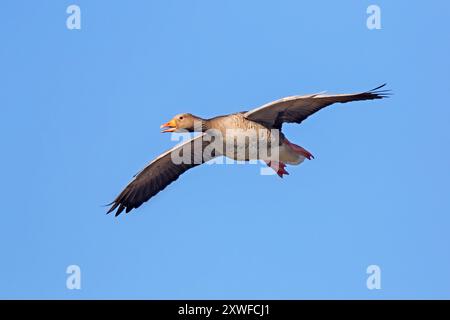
(80, 114)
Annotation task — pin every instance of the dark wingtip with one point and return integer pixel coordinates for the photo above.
(379, 87)
(380, 94)
(114, 206)
(121, 208)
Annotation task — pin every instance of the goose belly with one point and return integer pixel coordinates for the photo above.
(263, 149)
(247, 145)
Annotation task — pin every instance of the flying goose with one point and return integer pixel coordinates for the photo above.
(265, 120)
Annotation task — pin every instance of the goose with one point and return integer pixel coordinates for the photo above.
(265, 121)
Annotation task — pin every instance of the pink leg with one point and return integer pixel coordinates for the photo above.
(278, 167)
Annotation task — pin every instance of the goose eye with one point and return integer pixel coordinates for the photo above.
(181, 118)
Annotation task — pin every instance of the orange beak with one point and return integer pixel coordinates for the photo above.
(171, 125)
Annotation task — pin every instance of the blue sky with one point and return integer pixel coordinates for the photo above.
(81, 111)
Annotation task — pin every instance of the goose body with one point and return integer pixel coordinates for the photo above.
(236, 132)
(244, 136)
(236, 128)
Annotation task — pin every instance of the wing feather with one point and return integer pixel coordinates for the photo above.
(296, 109)
(158, 174)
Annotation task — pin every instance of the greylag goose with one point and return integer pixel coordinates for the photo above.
(223, 132)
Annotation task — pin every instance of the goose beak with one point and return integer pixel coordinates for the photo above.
(171, 126)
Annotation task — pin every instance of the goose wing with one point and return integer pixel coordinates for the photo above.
(161, 172)
(295, 109)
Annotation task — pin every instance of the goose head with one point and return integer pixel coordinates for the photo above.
(183, 122)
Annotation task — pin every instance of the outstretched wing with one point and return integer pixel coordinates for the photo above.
(161, 172)
(295, 109)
